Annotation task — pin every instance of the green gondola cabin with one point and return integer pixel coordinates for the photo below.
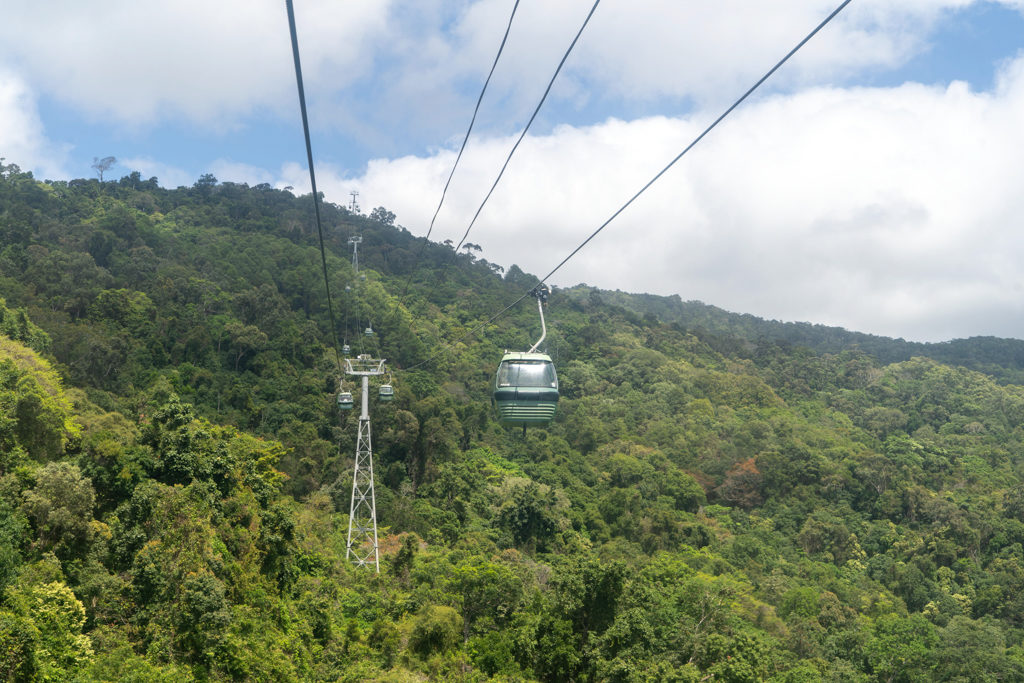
(345, 401)
(526, 389)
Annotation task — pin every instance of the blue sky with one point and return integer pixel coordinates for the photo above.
(871, 184)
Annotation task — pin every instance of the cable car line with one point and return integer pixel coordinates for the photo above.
(312, 175)
(465, 140)
(698, 138)
(522, 135)
(643, 189)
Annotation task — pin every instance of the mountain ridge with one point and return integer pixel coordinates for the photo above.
(1001, 357)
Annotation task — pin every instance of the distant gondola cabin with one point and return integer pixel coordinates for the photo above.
(526, 389)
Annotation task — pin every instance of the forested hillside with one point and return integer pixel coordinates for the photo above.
(999, 357)
(175, 474)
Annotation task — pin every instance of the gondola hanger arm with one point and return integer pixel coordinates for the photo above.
(541, 292)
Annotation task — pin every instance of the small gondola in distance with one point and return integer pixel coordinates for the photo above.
(345, 401)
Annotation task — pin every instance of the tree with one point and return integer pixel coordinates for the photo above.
(975, 651)
(527, 516)
(103, 165)
(435, 629)
(33, 412)
(200, 614)
(18, 639)
(245, 339)
(558, 652)
(382, 215)
(57, 617)
(60, 505)
(743, 658)
(742, 485)
(486, 589)
(205, 184)
(902, 649)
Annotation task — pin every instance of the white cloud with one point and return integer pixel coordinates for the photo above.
(894, 211)
(210, 62)
(706, 51)
(22, 138)
(218, 63)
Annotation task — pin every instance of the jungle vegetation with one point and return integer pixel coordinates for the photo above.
(714, 502)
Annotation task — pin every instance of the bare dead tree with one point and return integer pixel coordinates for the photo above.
(101, 166)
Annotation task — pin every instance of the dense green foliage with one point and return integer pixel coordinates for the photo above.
(1001, 358)
(175, 478)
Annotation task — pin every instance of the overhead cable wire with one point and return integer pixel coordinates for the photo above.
(465, 140)
(696, 140)
(361, 333)
(521, 136)
(643, 189)
(312, 177)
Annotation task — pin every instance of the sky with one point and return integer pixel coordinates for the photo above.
(871, 183)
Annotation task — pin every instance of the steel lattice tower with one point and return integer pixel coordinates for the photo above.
(355, 241)
(361, 546)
